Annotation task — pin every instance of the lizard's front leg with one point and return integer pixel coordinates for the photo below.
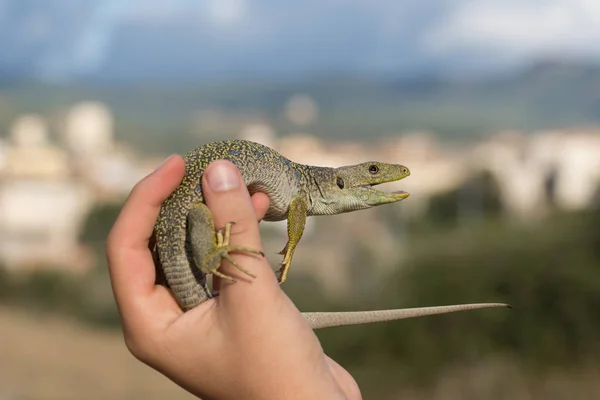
(296, 222)
(208, 248)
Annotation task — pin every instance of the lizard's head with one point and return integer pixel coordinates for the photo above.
(351, 188)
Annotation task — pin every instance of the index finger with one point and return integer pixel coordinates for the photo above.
(130, 263)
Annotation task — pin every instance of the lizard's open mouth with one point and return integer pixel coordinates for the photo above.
(400, 194)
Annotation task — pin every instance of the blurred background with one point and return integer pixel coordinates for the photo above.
(494, 105)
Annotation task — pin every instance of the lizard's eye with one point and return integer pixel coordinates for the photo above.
(373, 169)
(340, 182)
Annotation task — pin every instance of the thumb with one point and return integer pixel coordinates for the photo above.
(228, 199)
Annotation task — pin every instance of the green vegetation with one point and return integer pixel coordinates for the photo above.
(87, 298)
(548, 272)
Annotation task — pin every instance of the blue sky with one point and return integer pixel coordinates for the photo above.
(64, 38)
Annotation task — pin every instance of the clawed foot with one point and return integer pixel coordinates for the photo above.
(283, 271)
(212, 261)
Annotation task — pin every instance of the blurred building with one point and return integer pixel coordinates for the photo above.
(47, 190)
(520, 177)
(543, 170)
(110, 168)
(260, 133)
(577, 170)
(30, 153)
(88, 130)
(42, 208)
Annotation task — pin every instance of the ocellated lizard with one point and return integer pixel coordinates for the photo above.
(188, 248)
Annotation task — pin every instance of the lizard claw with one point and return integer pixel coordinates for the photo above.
(283, 271)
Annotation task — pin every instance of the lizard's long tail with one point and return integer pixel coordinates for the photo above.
(318, 320)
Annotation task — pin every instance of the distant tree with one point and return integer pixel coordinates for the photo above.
(99, 223)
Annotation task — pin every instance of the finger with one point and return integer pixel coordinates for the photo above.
(345, 381)
(130, 263)
(229, 200)
(140, 211)
(261, 205)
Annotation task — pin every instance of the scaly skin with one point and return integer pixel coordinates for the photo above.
(188, 247)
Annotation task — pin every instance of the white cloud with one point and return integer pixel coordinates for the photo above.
(518, 28)
(226, 12)
(378, 35)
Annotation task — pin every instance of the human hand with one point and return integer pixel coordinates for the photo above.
(251, 342)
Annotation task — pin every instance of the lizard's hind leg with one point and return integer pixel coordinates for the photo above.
(210, 248)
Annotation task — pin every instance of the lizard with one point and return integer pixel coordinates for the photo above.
(187, 246)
